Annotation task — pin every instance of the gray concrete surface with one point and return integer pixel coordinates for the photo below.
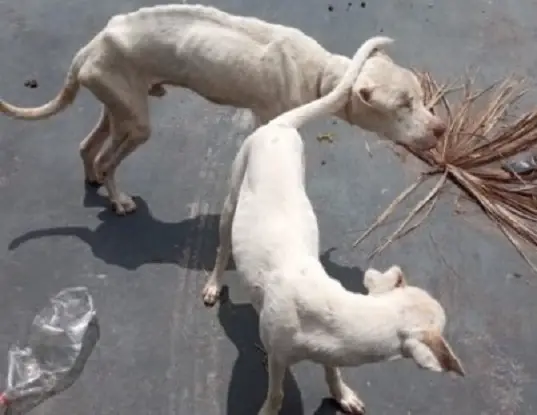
(160, 351)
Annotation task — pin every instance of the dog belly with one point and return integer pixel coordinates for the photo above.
(223, 67)
(239, 81)
(336, 356)
(267, 241)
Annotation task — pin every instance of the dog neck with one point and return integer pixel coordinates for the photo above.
(347, 328)
(331, 75)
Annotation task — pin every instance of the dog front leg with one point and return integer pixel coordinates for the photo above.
(276, 374)
(212, 288)
(344, 396)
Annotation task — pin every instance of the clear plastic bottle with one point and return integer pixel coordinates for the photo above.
(62, 337)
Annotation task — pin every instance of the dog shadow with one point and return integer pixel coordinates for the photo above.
(249, 378)
(138, 239)
(351, 277)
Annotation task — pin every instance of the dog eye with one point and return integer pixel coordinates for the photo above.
(406, 101)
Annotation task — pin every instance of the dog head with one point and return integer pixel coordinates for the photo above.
(422, 320)
(387, 99)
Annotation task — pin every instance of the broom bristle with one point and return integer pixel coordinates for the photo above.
(477, 140)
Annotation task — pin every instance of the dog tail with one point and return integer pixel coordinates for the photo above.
(337, 98)
(64, 98)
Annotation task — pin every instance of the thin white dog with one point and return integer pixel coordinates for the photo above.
(230, 60)
(269, 224)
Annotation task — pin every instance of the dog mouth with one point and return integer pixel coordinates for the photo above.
(425, 143)
(420, 143)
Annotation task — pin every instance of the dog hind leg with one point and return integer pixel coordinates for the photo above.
(274, 399)
(124, 142)
(91, 146)
(126, 102)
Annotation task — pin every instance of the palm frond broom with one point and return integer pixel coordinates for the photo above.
(470, 155)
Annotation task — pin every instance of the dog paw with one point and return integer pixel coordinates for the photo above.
(271, 408)
(92, 183)
(100, 176)
(124, 205)
(349, 401)
(210, 294)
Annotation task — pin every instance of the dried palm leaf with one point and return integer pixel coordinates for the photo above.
(477, 140)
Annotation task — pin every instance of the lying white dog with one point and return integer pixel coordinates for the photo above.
(269, 224)
(231, 60)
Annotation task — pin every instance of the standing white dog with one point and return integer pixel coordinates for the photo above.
(270, 225)
(230, 60)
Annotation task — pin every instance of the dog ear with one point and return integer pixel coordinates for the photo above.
(371, 95)
(372, 278)
(365, 93)
(362, 92)
(377, 282)
(396, 275)
(433, 353)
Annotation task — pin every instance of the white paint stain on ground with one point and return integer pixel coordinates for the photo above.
(243, 120)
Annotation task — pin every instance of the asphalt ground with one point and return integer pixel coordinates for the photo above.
(161, 351)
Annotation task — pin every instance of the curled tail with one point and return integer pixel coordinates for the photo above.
(64, 98)
(334, 100)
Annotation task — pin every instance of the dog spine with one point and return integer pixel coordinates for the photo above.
(336, 99)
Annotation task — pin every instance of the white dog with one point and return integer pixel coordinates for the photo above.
(231, 60)
(269, 224)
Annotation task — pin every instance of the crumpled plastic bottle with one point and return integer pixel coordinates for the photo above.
(62, 337)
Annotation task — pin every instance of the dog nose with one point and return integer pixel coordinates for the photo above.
(439, 129)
